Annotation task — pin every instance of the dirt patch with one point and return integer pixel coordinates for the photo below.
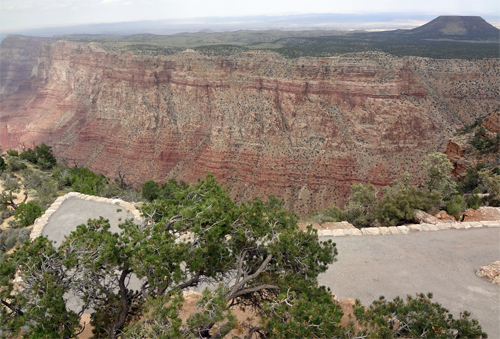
(482, 214)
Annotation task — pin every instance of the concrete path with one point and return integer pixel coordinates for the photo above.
(443, 263)
(74, 212)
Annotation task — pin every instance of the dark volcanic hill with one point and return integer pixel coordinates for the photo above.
(457, 28)
(445, 27)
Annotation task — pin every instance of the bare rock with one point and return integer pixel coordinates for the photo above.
(260, 123)
(445, 217)
(485, 213)
(492, 122)
(424, 218)
(491, 272)
(343, 225)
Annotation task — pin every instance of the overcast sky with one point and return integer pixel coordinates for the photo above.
(24, 14)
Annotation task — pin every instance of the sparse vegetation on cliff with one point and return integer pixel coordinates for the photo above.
(400, 200)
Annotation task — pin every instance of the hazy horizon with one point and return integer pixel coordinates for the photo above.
(29, 15)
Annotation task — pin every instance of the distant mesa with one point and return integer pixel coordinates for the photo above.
(457, 28)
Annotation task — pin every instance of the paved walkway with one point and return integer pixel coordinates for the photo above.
(443, 263)
(74, 212)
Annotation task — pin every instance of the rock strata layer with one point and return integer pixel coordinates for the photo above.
(302, 129)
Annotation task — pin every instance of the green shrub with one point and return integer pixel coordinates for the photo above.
(85, 181)
(11, 237)
(12, 153)
(41, 156)
(150, 190)
(454, 206)
(398, 206)
(29, 155)
(26, 213)
(470, 181)
(474, 201)
(418, 317)
(3, 165)
(168, 188)
(16, 165)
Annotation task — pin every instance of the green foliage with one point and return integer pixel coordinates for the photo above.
(454, 206)
(15, 164)
(26, 213)
(41, 156)
(200, 235)
(490, 184)
(85, 181)
(161, 318)
(484, 143)
(474, 201)
(361, 209)
(329, 214)
(10, 187)
(3, 165)
(150, 190)
(418, 317)
(470, 181)
(29, 155)
(12, 237)
(168, 188)
(438, 177)
(302, 310)
(470, 128)
(398, 207)
(12, 153)
(40, 310)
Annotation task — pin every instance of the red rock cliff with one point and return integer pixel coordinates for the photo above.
(302, 129)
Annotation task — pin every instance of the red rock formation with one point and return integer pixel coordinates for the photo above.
(492, 122)
(302, 129)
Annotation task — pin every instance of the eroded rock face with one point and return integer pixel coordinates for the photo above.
(301, 129)
(18, 56)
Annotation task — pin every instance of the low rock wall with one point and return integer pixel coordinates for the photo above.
(404, 230)
(40, 222)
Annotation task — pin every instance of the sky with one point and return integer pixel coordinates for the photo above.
(17, 15)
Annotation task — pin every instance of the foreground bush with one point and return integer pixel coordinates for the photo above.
(418, 317)
(254, 253)
(26, 213)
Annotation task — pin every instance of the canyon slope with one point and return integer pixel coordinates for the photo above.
(301, 129)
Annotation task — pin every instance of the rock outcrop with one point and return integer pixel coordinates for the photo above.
(490, 273)
(302, 129)
(463, 155)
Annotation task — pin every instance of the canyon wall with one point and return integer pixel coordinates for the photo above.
(302, 129)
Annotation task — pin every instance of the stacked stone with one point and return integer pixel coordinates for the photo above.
(40, 222)
(403, 230)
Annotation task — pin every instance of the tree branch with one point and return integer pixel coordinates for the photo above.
(237, 287)
(18, 311)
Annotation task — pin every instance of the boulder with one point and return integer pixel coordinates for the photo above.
(491, 272)
(343, 225)
(445, 217)
(424, 218)
(485, 213)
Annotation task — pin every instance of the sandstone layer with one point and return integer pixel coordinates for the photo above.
(302, 129)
